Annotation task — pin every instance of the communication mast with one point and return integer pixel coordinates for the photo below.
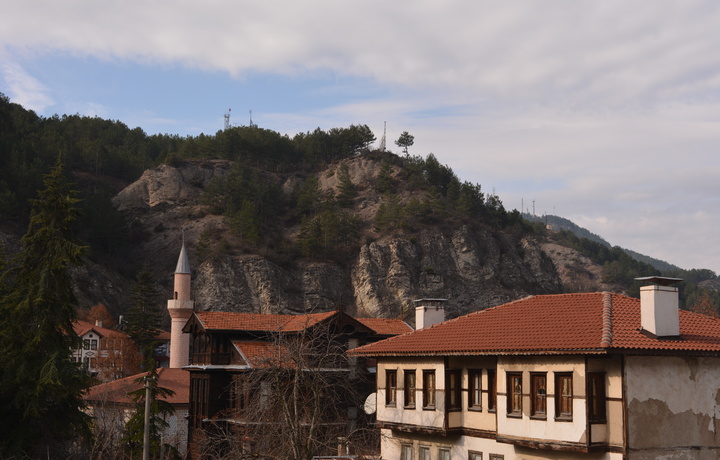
(227, 119)
(382, 141)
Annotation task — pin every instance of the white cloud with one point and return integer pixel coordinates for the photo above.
(23, 89)
(609, 52)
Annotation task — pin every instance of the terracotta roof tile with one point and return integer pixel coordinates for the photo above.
(216, 320)
(585, 322)
(264, 354)
(385, 326)
(116, 392)
(83, 327)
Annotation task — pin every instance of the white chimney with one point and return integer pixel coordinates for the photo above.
(429, 312)
(659, 306)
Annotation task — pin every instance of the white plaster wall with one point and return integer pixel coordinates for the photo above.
(478, 420)
(683, 383)
(673, 402)
(548, 429)
(391, 443)
(418, 415)
(176, 432)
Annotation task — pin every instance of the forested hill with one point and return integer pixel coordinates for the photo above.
(317, 220)
(111, 151)
(558, 223)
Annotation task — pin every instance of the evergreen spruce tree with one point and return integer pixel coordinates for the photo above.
(40, 387)
(144, 315)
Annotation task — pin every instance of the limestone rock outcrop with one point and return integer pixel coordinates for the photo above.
(472, 268)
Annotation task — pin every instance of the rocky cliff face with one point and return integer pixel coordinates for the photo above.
(471, 268)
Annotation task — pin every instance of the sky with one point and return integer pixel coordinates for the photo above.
(605, 112)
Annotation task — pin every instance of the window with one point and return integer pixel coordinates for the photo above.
(492, 390)
(406, 452)
(597, 405)
(93, 344)
(200, 398)
(538, 406)
(390, 387)
(443, 454)
(563, 396)
(474, 455)
(424, 453)
(452, 384)
(428, 390)
(497, 457)
(514, 393)
(409, 388)
(475, 389)
(86, 344)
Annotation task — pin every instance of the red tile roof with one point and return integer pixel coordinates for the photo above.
(83, 327)
(116, 392)
(216, 320)
(385, 326)
(264, 354)
(551, 324)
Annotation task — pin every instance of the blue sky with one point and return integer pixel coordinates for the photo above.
(606, 113)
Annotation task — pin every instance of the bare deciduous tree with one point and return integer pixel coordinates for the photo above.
(300, 398)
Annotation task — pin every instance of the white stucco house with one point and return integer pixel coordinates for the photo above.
(569, 376)
(100, 350)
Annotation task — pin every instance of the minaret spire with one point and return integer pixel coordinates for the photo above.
(180, 308)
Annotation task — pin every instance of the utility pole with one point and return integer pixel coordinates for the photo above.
(146, 436)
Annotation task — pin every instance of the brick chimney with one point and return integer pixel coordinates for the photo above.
(659, 304)
(429, 312)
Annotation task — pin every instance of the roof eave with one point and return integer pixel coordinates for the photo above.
(588, 351)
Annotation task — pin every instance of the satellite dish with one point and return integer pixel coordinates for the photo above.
(370, 404)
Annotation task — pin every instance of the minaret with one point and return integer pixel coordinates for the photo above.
(180, 309)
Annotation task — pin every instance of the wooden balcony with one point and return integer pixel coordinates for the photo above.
(211, 358)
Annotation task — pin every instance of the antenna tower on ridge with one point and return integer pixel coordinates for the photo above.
(382, 141)
(227, 119)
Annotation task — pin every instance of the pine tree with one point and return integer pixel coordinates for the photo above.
(404, 141)
(385, 181)
(40, 387)
(347, 191)
(144, 315)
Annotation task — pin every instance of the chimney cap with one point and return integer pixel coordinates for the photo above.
(661, 280)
